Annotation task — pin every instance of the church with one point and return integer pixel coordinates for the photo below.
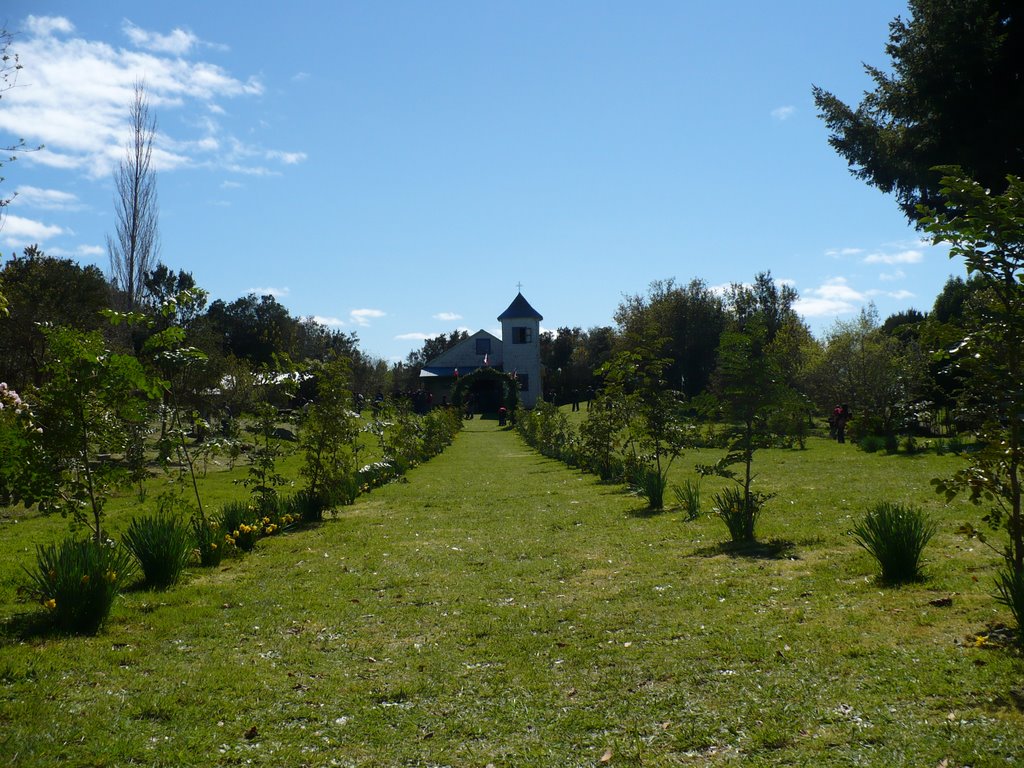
(516, 352)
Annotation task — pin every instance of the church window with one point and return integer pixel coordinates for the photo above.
(522, 335)
(483, 346)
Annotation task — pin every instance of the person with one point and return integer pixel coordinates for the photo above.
(575, 399)
(842, 418)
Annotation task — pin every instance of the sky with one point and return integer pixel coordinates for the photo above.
(402, 169)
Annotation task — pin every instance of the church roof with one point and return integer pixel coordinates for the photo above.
(520, 309)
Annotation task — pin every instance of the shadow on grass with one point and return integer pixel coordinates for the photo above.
(645, 512)
(773, 549)
(26, 626)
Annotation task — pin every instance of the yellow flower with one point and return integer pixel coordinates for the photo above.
(51, 604)
(213, 545)
(85, 578)
(111, 576)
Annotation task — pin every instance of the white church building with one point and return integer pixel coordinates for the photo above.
(517, 352)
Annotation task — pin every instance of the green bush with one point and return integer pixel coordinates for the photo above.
(871, 443)
(239, 523)
(895, 535)
(688, 496)
(302, 506)
(1010, 592)
(209, 540)
(162, 544)
(77, 580)
(651, 483)
(739, 515)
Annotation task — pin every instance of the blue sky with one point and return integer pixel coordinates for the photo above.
(397, 168)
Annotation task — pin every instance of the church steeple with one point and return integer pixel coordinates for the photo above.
(520, 342)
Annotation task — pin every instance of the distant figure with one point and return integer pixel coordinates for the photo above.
(590, 397)
(841, 416)
(575, 399)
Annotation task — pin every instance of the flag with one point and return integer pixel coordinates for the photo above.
(486, 358)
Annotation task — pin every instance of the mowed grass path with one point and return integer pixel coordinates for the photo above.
(502, 609)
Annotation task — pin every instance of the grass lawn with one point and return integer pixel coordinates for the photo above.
(501, 609)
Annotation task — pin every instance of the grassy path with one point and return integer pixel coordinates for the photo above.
(501, 609)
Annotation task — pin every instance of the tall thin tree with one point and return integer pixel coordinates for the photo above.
(135, 247)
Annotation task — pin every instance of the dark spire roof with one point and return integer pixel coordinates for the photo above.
(520, 309)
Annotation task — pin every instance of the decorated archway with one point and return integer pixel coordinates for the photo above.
(491, 389)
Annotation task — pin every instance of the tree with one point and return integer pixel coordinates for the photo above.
(91, 399)
(330, 432)
(954, 96)
(258, 330)
(133, 250)
(987, 230)
(651, 412)
(40, 291)
(749, 392)
(871, 370)
(688, 319)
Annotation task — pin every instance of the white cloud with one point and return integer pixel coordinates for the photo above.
(277, 293)
(178, 42)
(91, 250)
(898, 274)
(838, 253)
(330, 322)
(783, 113)
(78, 102)
(900, 295)
(364, 316)
(19, 230)
(47, 199)
(448, 317)
(833, 297)
(414, 336)
(47, 25)
(910, 256)
(288, 158)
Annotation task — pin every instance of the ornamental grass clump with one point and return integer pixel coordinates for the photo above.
(738, 513)
(1010, 592)
(895, 535)
(209, 540)
(650, 483)
(688, 497)
(162, 544)
(77, 580)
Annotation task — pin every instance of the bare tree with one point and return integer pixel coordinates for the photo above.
(134, 250)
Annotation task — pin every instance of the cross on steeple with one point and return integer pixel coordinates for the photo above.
(519, 287)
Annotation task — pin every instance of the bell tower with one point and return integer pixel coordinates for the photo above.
(520, 343)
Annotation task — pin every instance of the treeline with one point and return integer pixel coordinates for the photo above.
(897, 375)
(238, 338)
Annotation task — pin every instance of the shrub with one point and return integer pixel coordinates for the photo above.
(688, 496)
(895, 535)
(162, 545)
(239, 523)
(302, 506)
(650, 482)
(1010, 592)
(77, 581)
(739, 515)
(871, 443)
(209, 540)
